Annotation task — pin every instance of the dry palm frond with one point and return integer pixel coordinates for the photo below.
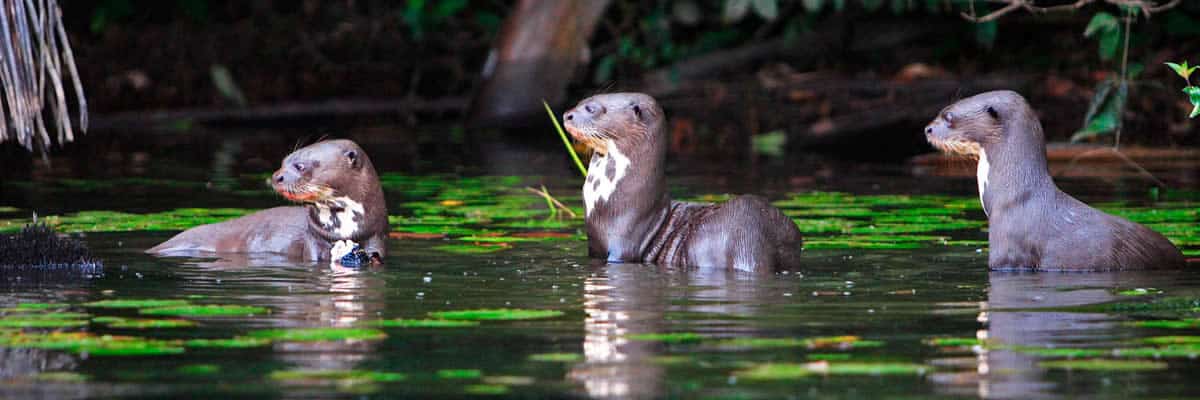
(34, 52)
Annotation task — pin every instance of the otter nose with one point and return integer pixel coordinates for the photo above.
(929, 130)
(593, 108)
(569, 116)
(278, 177)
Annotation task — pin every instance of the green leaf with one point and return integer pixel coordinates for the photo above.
(1182, 70)
(735, 10)
(1104, 115)
(770, 144)
(1194, 97)
(1110, 43)
(767, 9)
(1101, 22)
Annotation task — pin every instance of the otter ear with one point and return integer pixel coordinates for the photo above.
(352, 156)
(992, 111)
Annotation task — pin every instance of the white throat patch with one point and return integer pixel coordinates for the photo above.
(598, 186)
(981, 176)
(346, 225)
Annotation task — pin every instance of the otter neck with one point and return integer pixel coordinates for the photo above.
(1013, 169)
(625, 199)
(348, 216)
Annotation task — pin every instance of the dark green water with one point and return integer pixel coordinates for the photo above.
(898, 299)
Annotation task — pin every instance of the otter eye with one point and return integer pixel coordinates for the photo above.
(949, 117)
(299, 167)
(992, 111)
(353, 157)
(637, 110)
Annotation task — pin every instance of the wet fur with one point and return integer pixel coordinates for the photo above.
(329, 179)
(1031, 223)
(638, 222)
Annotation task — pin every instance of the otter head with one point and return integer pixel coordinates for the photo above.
(337, 179)
(625, 120)
(974, 124)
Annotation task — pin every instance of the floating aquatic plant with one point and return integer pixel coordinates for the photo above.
(483, 248)
(682, 337)
(122, 323)
(421, 323)
(136, 303)
(557, 357)
(240, 342)
(84, 342)
(318, 334)
(1104, 365)
(496, 314)
(207, 310)
(787, 371)
(340, 376)
(199, 369)
(953, 342)
(459, 374)
(60, 377)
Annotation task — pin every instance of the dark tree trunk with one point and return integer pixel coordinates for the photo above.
(533, 59)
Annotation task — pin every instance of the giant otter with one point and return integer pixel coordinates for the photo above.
(1031, 223)
(630, 217)
(344, 210)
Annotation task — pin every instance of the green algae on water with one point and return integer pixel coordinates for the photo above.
(23, 321)
(239, 342)
(60, 377)
(1168, 324)
(788, 371)
(421, 323)
(557, 357)
(1172, 340)
(459, 374)
(472, 248)
(318, 334)
(1104, 365)
(87, 343)
(199, 369)
(206, 310)
(341, 376)
(40, 306)
(150, 323)
(953, 342)
(136, 303)
(496, 314)
(683, 337)
(486, 389)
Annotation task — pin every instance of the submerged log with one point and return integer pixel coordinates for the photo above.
(533, 59)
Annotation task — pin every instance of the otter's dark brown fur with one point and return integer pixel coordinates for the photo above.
(344, 206)
(1031, 223)
(630, 217)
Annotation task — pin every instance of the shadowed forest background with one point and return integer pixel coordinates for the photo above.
(741, 81)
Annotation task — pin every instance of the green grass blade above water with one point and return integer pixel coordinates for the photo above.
(567, 142)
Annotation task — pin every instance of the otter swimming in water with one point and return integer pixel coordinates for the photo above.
(631, 218)
(344, 210)
(1031, 223)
